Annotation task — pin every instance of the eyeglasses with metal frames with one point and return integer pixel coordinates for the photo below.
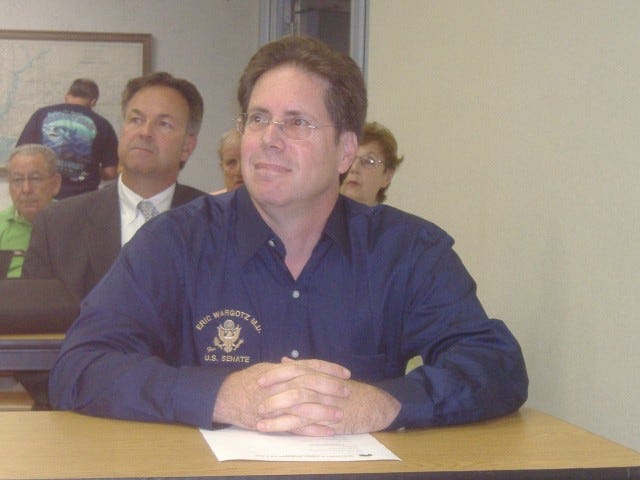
(367, 161)
(294, 128)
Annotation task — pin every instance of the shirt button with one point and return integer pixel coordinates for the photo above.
(271, 243)
(295, 294)
(295, 353)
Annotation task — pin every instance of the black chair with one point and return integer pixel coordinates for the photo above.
(28, 307)
(35, 306)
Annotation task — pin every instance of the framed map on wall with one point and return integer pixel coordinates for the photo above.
(38, 67)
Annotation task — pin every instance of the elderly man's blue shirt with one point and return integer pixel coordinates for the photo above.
(203, 290)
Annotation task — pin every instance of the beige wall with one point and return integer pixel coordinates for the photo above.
(206, 41)
(519, 123)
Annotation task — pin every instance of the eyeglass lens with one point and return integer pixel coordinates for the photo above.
(368, 161)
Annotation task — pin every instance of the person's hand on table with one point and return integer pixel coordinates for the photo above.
(306, 397)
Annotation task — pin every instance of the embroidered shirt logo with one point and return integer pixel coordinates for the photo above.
(234, 328)
(228, 339)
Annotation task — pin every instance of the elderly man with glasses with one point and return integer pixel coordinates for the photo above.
(33, 182)
(229, 154)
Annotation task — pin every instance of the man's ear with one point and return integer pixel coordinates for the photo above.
(349, 141)
(57, 179)
(188, 147)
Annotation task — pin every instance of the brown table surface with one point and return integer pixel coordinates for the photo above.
(527, 444)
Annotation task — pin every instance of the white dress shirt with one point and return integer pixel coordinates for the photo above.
(131, 219)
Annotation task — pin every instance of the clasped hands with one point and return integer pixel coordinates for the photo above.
(305, 397)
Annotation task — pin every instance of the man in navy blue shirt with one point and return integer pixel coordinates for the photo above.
(283, 306)
(84, 141)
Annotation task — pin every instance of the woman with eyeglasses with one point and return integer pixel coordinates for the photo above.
(376, 161)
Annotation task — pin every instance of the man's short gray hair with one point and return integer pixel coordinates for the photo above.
(49, 155)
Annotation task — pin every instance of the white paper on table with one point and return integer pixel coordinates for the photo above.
(234, 443)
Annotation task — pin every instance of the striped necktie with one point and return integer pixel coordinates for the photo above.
(148, 209)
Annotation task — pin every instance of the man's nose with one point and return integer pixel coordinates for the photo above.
(146, 129)
(272, 133)
(27, 185)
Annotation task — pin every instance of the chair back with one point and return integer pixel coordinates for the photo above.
(30, 306)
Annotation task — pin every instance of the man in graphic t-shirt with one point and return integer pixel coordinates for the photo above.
(85, 142)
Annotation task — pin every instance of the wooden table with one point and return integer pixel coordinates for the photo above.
(525, 445)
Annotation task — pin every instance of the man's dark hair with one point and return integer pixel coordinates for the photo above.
(84, 88)
(346, 96)
(163, 79)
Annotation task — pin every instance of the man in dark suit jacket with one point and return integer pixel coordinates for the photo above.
(78, 238)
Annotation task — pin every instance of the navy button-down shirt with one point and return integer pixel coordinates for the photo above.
(203, 290)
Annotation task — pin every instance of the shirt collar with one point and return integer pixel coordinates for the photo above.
(129, 200)
(14, 216)
(337, 228)
(253, 232)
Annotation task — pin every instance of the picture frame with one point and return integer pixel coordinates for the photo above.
(39, 66)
